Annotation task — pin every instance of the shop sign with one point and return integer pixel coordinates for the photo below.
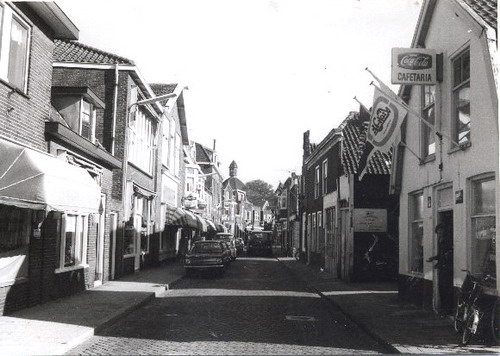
(370, 220)
(413, 66)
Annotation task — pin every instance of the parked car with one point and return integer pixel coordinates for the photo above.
(207, 256)
(229, 238)
(260, 243)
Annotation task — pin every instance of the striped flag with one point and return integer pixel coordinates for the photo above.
(386, 117)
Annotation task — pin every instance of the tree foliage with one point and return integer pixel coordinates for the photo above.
(259, 191)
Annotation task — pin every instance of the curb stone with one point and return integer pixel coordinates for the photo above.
(388, 346)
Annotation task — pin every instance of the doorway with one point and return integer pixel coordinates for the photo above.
(444, 237)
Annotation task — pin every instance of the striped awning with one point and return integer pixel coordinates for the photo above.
(202, 224)
(210, 225)
(190, 220)
(174, 216)
(220, 228)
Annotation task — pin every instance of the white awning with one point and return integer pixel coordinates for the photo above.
(34, 180)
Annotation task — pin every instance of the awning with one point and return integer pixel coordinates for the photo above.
(174, 216)
(220, 227)
(190, 220)
(34, 180)
(210, 225)
(202, 225)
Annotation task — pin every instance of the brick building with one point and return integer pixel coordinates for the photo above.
(47, 206)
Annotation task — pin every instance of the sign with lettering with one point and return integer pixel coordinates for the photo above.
(370, 220)
(414, 66)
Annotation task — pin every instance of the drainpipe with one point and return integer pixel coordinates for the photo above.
(115, 105)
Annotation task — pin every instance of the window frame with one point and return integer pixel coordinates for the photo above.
(427, 134)
(8, 14)
(455, 90)
(475, 216)
(317, 178)
(325, 176)
(81, 246)
(141, 142)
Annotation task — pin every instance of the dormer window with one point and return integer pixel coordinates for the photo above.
(77, 106)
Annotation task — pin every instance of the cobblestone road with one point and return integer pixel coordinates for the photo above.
(258, 307)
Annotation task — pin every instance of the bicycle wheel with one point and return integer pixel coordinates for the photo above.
(495, 322)
(458, 323)
(469, 329)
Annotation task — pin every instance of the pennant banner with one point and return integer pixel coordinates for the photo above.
(385, 119)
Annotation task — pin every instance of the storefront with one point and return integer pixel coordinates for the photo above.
(48, 209)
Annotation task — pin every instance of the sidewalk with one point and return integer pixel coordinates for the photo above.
(56, 327)
(376, 308)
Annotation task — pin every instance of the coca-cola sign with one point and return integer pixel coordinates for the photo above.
(413, 66)
(415, 61)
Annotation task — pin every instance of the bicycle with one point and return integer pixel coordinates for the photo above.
(472, 308)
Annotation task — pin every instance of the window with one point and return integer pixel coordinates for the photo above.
(15, 229)
(177, 155)
(165, 143)
(416, 233)
(483, 226)
(283, 200)
(461, 124)
(428, 113)
(73, 242)
(15, 38)
(316, 183)
(314, 242)
(325, 176)
(141, 142)
(171, 143)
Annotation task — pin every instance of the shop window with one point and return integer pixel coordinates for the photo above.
(483, 226)
(14, 48)
(15, 227)
(73, 242)
(428, 114)
(461, 124)
(416, 251)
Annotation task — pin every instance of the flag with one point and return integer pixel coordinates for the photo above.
(385, 119)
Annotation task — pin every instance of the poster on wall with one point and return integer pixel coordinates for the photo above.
(370, 220)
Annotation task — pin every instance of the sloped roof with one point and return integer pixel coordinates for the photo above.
(162, 89)
(202, 153)
(234, 183)
(486, 9)
(76, 52)
(354, 136)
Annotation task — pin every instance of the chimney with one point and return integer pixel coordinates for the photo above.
(214, 143)
(306, 147)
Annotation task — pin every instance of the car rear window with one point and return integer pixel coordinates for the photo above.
(207, 248)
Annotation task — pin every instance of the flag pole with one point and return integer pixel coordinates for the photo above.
(411, 151)
(360, 103)
(405, 105)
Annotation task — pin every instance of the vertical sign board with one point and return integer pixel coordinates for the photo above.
(370, 220)
(414, 66)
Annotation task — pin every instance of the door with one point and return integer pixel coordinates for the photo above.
(444, 237)
(113, 225)
(99, 251)
(344, 248)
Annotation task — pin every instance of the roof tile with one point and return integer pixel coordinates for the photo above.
(76, 52)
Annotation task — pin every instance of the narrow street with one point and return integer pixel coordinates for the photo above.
(258, 307)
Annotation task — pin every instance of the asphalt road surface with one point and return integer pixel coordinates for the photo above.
(258, 307)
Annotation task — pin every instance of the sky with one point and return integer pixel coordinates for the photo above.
(260, 72)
